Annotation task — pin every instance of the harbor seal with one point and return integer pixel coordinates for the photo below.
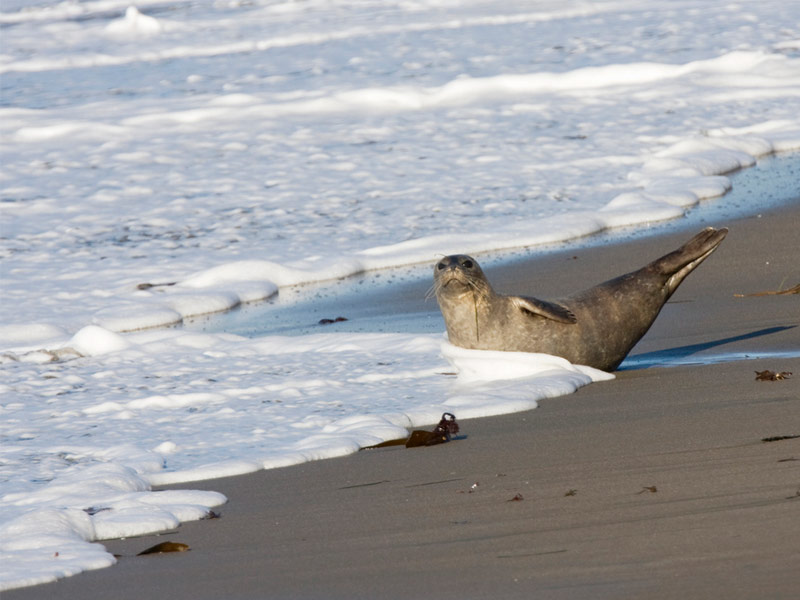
(596, 327)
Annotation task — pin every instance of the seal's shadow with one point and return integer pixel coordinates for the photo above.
(676, 356)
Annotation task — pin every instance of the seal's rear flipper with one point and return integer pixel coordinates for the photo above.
(678, 264)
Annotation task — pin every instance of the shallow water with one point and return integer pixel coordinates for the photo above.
(393, 300)
(668, 358)
(707, 353)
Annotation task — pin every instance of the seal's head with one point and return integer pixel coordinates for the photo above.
(457, 275)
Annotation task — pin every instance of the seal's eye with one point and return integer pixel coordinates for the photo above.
(467, 264)
(441, 266)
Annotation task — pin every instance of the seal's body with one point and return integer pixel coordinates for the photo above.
(596, 327)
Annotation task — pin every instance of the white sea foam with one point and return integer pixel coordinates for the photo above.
(164, 407)
(134, 24)
(164, 160)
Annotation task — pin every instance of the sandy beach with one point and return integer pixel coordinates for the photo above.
(657, 484)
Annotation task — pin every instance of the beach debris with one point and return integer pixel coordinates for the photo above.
(791, 290)
(93, 510)
(767, 375)
(147, 286)
(446, 429)
(472, 488)
(329, 321)
(360, 485)
(648, 488)
(437, 482)
(418, 438)
(570, 493)
(211, 515)
(164, 547)
(387, 443)
(442, 433)
(780, 438)
(517, 498)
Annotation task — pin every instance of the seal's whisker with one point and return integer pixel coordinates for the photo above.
(433, 290)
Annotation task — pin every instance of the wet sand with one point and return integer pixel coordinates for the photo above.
(655, 485)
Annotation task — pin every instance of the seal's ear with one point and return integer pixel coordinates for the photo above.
(548, 310)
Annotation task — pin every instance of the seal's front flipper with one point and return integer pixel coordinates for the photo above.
(548, 310)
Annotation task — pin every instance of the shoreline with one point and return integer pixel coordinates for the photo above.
(402, 289)
(674, 491)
